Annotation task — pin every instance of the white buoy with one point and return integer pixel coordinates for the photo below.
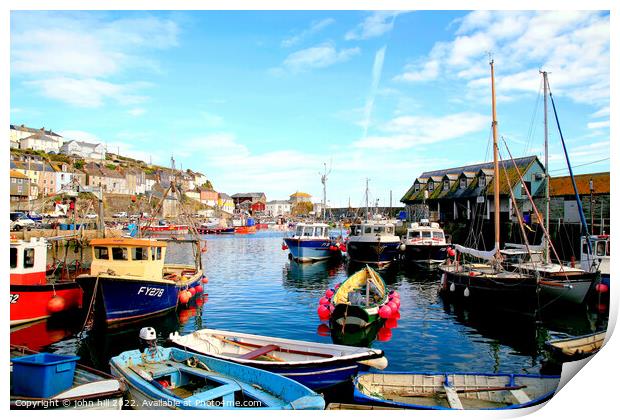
(466, 292)
(452, 287)
(403, 247)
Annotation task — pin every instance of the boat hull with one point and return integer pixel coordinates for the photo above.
(354, 316)
(426, 255)
(120, 301)
(376, 253)
(29, 302)
(308, 250)
(572, 291)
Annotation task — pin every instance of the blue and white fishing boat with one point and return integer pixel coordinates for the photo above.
(129, 280)
(596, 257)
(173, 378)
(311, 242)
(456, 391)
(315, 365)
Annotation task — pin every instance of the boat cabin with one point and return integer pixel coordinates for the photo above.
(312, 230)
(141, 258)
(372, 229)
(600, 253)
(28, 261)
(426, 233)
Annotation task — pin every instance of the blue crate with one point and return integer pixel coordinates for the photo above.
(42, 375)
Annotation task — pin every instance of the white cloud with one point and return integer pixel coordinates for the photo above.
(409, 131)
(377, 69)
(373, 26)
(85, 52)
(428, 70)
(80, 136)
(320, 56)
(89, 93)
(598, 124)
(136, 112)
(315, 27)
(603, 112)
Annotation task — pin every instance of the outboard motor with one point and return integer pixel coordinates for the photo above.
(148, 339)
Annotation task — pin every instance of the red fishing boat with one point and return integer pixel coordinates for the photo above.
(166, 228)
(34, 296)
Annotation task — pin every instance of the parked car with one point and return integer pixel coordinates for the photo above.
(22, 222)
(35, 216)
(120, 214)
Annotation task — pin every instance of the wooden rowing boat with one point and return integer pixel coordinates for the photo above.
(177, 379)
(578, 347)
(440, 391)
(358, 299)
(316, 365)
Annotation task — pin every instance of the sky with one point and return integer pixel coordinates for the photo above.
(261, 100)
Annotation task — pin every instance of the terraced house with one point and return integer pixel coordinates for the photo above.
(459, 194)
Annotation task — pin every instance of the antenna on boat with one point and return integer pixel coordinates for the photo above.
(324, 182)
(367, 179)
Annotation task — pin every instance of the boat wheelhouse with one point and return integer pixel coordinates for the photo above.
(597, 258)
(311, 242)
(425, 244)
(129, 279)
(34, 296)
(373, 242)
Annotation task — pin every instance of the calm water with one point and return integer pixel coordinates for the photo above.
(254, 288)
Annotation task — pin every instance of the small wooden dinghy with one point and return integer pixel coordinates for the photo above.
(578, 347)
(177, 379)
(440, 391)
(316, 365)
(91, 389)
(358, 299)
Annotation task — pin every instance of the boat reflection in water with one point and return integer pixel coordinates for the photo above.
(309, 276)
(40, 334)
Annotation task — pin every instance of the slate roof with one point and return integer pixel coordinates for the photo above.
(33, 130)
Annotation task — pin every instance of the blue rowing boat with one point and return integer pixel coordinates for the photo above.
(172, 378)
(456, 391)
(315, 365)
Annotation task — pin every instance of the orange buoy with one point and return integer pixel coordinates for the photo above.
(56, 304)
(205, 279)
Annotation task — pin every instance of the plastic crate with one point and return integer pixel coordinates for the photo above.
(42, 375)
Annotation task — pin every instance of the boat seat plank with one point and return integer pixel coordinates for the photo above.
(261, 351)
(220, 391)
(520, 396)
(453, 398)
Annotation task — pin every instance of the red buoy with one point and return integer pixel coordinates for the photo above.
(393, 306)
(205, 280)
(337, 286)
(192, 291)
(451, 252)
(394, 294)
(324, 301)
(284, 247)
(396, 301)
(199, 288)
(199, 301)
(323, 330)
(331, 308)
(56, 304)
(396, 315)
(385, 334)
(385, 312)
(329, 293)
(391, 323)
(343, 247)
(323, 311)
(184, 296)
(602, 288)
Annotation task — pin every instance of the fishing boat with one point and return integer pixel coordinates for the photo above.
(88, 389)
(315, 365)
(129, 280)
(489, 281)
(173, 378)
(425, 244)
(577, 347)
(373, 242)
(311, 242)
(358, 300)
(34, 296)
(457, 391)
(596, 257)
(164, 227)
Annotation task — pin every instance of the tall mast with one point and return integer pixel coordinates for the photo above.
(496, 180)
(367, 198)
(544, 73)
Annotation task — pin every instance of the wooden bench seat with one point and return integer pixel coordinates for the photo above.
(261, 351)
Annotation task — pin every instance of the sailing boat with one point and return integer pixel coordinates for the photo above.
(489, 280)
(559, 283)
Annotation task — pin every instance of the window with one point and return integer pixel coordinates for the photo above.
(426, 234)
(379, 229)
(389, 230)
(416, 187)
(446, 185)
(463, 183)
(600, 248)
(367, 229)
(13, 257)
(140, 254)
(528, 185)
(300, 230)
(156, 252)
(101, 253)
(437, 235)
(13, 180)
(431, 186)
(119, 254)
(482, 181)
(28, 257)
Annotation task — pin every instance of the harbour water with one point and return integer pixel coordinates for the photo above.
(254, 288)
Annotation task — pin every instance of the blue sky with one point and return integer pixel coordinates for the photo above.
(259, 100)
